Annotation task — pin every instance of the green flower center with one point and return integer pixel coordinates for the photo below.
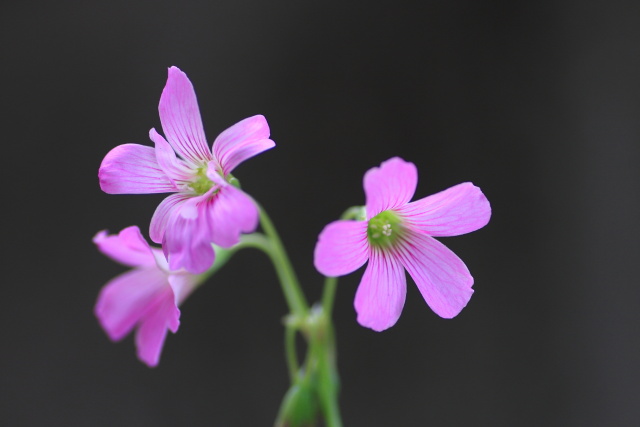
(201, 184)
(384, 229)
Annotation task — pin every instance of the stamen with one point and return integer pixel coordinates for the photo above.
(384, 228)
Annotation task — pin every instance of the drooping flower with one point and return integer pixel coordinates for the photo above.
(145, 298)
(205, 208)
(396, 235)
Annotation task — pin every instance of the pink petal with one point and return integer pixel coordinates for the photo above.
(342, 248)
(161, 260)
(458, 210)
(162, 214)
(231, 212)
(241, 141)
(382, 291)
(180, 118)
(389, 186)
(133, 169)
(153, 328)
(187, 241)
(441, 277)
(183, 284)
(127, 298)
(173, 167)
(128, 247)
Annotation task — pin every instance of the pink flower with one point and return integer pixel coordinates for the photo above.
(146, 297)
(397, 235)
(205, 208)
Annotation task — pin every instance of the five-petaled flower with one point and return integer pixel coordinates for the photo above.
(205, 208)
(146, 297)
(397, 235)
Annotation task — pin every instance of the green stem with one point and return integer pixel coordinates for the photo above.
(328, 295)
(328, 385)
(329, 380)
(266, 245)
(290, 287)
(316, 384)
(290, 351)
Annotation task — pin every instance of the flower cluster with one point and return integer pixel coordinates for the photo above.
(206, 208)
(207, 211)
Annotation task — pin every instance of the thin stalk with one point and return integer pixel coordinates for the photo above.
(265, 244)
(328, 295)
(328, 388)
(316, 325)
(290, 351)
(324, 355)
(290, 286)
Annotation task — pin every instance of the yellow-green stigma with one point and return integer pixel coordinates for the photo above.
(384, 228)
(202, 183)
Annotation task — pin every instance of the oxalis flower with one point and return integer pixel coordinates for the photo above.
(146, 297)
(205, 208)
(396, 235)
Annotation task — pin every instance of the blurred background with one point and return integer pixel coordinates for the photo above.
(537, 103)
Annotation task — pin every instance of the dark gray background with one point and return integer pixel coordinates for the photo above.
(538, 103)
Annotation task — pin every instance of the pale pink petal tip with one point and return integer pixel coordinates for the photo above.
(441, 276)
(242, 141)
(152, 331)
(180, 118)
(341, 248)
(458, 210)
(133, 169)
(381, 294)
(389, 186)
(128, 247)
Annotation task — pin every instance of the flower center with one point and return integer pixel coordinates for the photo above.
(384, 228)
(201, 184)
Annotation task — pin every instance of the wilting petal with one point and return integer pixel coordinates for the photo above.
(457, 210)
(128, 247)
(152, 330)
(442, 278)
(231, 212)
(187, 242)
(389, 186)
(180, 118)
(342, 248)
(382, 292)
(173, 167)
(163, 212)
(127, 298)
(241, 141)
(133, 169)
